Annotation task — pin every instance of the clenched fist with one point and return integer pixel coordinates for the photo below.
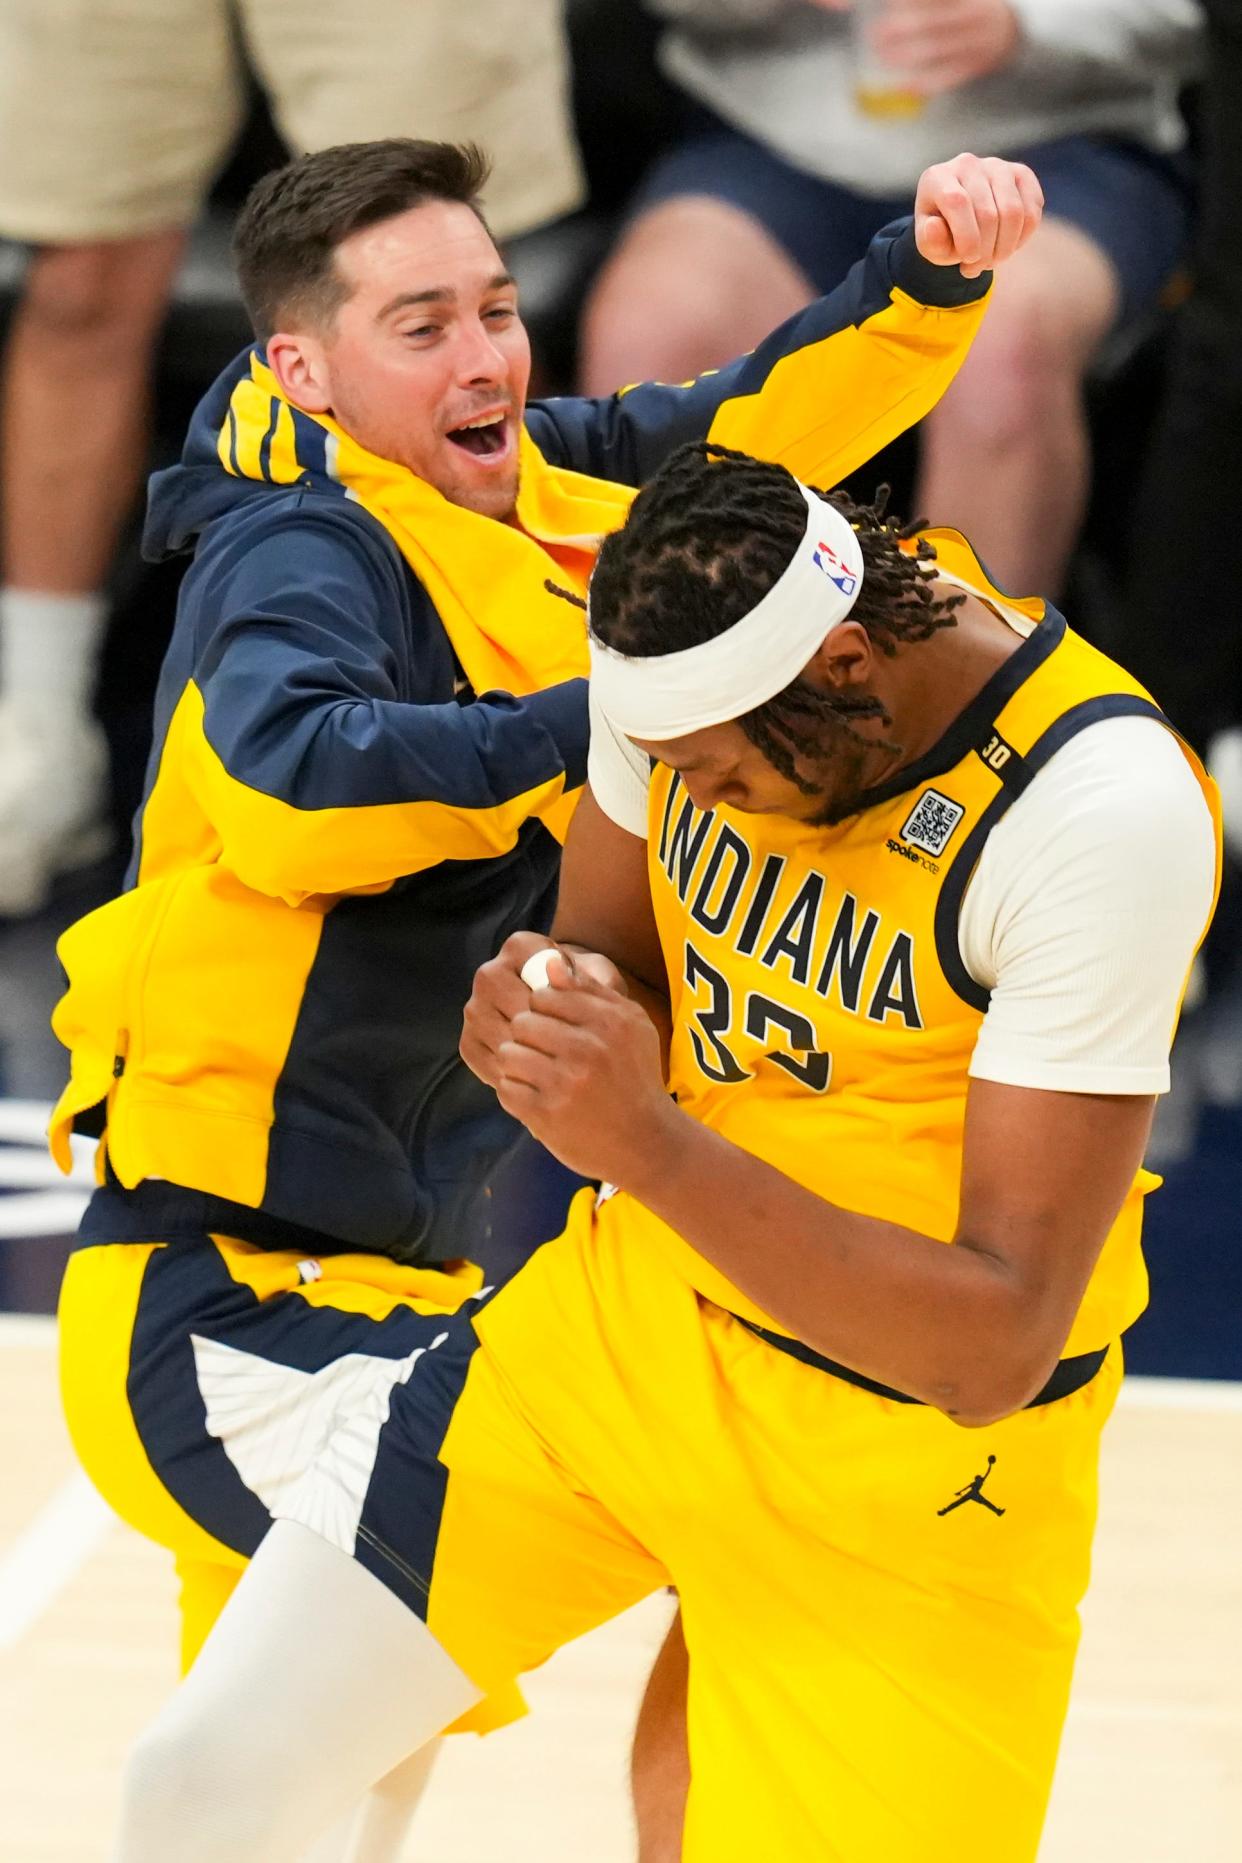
(976, 212)
(499, 995)
(580, 1067)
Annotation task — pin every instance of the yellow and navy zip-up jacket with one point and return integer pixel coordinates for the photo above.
(341, 823)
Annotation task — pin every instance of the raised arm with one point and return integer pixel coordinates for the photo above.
(837, 382)
(317, 774)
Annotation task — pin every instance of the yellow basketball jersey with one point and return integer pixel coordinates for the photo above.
(823, 1017)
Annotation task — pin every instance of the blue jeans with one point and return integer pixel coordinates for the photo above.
(1134, 204)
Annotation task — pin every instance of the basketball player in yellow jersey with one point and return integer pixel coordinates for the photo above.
(922, 874)
(909, 878)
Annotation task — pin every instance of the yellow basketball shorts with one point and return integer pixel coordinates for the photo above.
(201, 1376)
(880, 1607)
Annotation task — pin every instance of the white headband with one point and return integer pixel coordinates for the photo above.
(669, 695)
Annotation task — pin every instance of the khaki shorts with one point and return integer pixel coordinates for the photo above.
(116, 114)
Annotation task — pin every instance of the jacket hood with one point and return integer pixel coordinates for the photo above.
(183, 499)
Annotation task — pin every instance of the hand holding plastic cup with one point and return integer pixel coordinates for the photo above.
(879, 89)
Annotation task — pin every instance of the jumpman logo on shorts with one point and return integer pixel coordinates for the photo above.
(972, 1492)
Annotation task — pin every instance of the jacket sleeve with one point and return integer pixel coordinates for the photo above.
(823, 394)
(317, 776)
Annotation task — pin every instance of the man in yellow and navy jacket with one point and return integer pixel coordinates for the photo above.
(370, 731)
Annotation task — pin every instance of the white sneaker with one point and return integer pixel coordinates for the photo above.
(53, 793)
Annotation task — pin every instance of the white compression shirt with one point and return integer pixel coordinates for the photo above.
(1081, 917)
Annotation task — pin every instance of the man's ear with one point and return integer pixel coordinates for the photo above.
(299, 365)
(844, 661)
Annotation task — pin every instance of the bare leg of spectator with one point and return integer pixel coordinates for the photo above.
(1006, 455)
(76, 405)
(692, 284)
(72, 449)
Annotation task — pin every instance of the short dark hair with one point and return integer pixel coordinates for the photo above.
(284, 246)
(704, 542)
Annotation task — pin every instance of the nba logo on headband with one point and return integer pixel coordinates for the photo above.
(825, 557)
(668, 695)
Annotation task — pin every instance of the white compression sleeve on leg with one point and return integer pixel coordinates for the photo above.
(314, 1683)
(376, 1830)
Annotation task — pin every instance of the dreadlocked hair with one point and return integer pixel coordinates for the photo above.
(707, 539)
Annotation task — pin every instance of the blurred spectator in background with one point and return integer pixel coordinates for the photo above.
(114, 118)
(1182, 611)
(789, 163)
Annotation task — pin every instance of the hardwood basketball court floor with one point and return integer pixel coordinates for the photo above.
(1151, 1770)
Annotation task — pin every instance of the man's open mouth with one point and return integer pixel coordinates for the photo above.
(482, 438)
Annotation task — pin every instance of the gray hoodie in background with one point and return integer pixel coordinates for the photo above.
(782, 70)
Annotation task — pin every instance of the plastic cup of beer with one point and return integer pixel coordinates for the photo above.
(879, 90)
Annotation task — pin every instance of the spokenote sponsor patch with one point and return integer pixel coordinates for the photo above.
(932, 822)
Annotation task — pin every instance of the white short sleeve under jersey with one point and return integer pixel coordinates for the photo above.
(1082, 916)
